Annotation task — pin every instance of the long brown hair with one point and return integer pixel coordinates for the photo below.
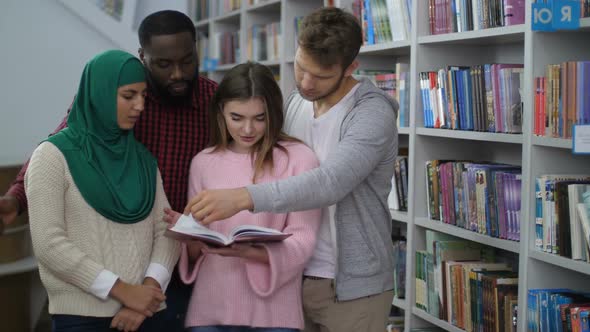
(243, 82)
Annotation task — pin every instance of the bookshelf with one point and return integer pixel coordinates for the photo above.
(400, 303)
(440, 227)
(566, 263)
(426, 317)
(26, 264)
(245, 17)
(401, 216)
(560, 143)
(470, 135)
(425, 52)
(498, 35)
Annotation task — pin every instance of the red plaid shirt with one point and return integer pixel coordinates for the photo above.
(174, 135)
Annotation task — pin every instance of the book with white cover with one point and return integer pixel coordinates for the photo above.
(187, 228)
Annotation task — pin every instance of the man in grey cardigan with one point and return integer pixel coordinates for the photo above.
(350, 125)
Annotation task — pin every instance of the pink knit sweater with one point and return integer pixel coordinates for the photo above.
(235, 291)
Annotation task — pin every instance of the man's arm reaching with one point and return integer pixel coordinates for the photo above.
(368, 138)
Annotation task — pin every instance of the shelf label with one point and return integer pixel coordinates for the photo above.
(556, 15)
(581, 139)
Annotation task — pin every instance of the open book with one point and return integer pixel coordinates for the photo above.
(187, 228)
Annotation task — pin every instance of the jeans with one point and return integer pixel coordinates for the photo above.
(224, 328)
(72, 323)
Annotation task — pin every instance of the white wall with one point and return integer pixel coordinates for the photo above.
(43, 50)
(146, 7)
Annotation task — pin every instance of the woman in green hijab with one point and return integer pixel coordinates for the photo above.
(96, 204)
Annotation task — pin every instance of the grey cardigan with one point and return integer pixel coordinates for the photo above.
(356, 177)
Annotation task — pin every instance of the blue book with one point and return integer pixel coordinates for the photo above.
(369, 19)
(489, 98)
(402, 99)
(442, 85)
(421, 84)
(538, 215)
(468, 98)
(585, 321)
(586, 102)
(556, 301)
(534, 306)
(429, 106)
(460, 99)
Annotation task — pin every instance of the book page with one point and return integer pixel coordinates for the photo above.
(252, 233)
(187, 225)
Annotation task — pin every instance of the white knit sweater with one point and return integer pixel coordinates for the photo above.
(74, 243)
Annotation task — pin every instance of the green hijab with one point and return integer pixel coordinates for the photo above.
(115, 173)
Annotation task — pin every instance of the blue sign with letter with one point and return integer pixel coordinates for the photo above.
(556, 15)
(542, 17)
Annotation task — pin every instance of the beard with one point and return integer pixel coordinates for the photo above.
(323, 95)
(167, 97)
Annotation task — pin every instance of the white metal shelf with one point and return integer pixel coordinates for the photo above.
(400, 303)
(471, 135)
(202, 23)
(435, 321)
(230, 17)
(564, 262)
(225, 67)
(500, 35)
(401, 216)
(403, 130)
(561, 143)
(264, 6)
(271, 63)
(459, 232)
(24, 265)
(389, 48)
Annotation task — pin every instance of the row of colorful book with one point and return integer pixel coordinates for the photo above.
(561, 224)
(466, 284)
(396, 83)
(227, 47)
(481, 97)
(480, 197)
(201, 9)
(562, 99)
(225, 6)
(262, 41)
(558, 310)
(383, 20)
(446, 16)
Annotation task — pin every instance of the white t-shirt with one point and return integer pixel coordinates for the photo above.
(321, 135)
